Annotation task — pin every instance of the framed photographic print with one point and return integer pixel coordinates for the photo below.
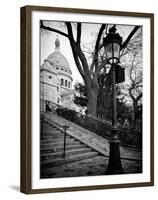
(87, 99)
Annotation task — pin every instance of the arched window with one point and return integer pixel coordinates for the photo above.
(65, 83)
(62, 81)
(69, 84)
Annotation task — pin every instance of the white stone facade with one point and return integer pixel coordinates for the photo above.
(56, 79)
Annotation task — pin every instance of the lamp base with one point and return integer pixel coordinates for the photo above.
(114, 166)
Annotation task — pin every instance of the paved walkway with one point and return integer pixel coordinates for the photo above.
(89, 167)
(91, 139)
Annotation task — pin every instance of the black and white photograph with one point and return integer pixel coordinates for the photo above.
(91, 99)
(87, 86)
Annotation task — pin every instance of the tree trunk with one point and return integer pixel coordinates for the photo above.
(135, 106)
(92, 102)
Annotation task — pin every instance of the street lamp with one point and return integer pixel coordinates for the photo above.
(112, 45)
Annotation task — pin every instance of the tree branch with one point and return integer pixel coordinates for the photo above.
(95, 59)
(70, 32)
(77, 50)
(131, 95)
(134, 56)
(74, 49)
(130, 36)
(83, 60)
(78, 33)
(99, 38)
(103, 63)
(52, 29)
(139, 97)
(77, 61)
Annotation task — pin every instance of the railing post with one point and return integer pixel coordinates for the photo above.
(57, 109)
(85, 121)
(65, 127)
(42, 121)
(64, 143)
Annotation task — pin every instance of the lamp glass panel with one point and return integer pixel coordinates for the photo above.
(116, 50)
(108, 50)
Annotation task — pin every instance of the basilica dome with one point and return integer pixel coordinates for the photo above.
(57, 58)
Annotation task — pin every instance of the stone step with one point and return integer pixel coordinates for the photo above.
(48, 126)
(47, 137)
(46, 133)
(51, 137)
(51, 140)
(57, 140)
(58, 149)
(46, 156)
(49, 129)
(58, 161)
(58, 144)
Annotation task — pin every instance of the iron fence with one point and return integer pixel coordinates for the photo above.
(128, 137)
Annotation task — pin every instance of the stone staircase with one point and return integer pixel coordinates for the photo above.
(52, 148)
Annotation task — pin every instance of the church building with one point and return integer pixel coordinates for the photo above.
(56, 79)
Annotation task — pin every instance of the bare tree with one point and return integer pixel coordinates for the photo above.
(135, 90)
(133, 64)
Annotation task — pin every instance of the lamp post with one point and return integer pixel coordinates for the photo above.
(112, 44)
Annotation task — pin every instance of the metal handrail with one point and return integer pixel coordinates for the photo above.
(63, 129)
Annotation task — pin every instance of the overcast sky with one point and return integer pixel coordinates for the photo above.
(88, 37)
